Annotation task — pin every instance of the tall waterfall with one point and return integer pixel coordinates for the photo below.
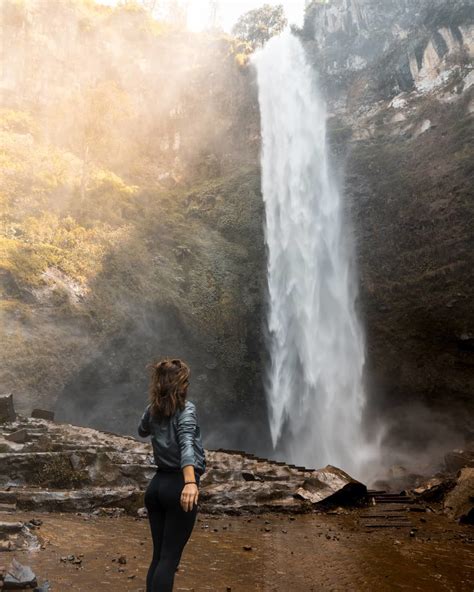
(314, 388)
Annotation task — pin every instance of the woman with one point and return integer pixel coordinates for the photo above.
(172, 495)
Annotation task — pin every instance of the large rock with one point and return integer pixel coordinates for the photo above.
(43, 414)
(331, 485)
(7, 411)
(19, 577)
(434, 489)
(240, 482)
(459, 503)
(458, 459)
(19, 436)
(17, 536)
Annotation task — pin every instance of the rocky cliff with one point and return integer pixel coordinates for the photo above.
(131, 215)
(399, 83)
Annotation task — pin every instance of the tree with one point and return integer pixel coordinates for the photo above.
(89, 120)
(259, 25)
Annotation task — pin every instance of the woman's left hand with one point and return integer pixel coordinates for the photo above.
(189, 496)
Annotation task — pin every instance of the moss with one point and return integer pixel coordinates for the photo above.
(57, 472)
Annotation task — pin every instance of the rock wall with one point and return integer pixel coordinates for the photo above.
(399, 82)
(131, 216)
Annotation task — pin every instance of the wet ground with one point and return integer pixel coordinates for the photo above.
(313, 552)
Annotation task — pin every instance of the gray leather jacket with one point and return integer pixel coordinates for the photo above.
(176, 440)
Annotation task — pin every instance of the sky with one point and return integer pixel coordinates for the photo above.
(230, 10)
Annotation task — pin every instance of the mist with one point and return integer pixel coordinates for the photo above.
(124, 137)
(133, 218)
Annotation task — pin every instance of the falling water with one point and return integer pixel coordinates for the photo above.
(314, 389)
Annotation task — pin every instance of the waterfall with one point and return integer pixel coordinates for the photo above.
(316, 345)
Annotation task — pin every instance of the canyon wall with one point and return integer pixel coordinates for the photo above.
(399, 84)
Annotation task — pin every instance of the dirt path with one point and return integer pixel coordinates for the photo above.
(302, 553)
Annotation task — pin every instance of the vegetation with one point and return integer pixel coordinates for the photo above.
(57, 472)
(261, 24)
(127, 191)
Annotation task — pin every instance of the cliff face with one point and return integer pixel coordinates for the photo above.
(131, 215)
(399, 82)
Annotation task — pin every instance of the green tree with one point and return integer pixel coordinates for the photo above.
(261, 24)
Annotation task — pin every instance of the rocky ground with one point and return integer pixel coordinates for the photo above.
(304, 552)
(71, 510)
(59, 467)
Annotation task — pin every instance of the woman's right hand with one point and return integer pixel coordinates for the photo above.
(189, 496)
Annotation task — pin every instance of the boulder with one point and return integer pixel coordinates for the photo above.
(7, 411)
(459, 503)
(17, 536)
(19, 577)
(43, 414)
(434, 489)
(331, 486)
(236, 497)
(458, 459)
(19, 437)
(10, 527)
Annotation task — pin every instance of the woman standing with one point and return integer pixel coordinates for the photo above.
(172, 495)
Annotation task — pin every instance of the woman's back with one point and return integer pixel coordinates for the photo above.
(176, 440)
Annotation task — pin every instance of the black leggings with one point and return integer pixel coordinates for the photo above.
(170, 527)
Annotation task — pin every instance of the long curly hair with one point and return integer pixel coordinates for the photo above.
(168, 386)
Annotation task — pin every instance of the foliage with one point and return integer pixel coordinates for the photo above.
(47, 241)
(99, 109)
(241, 50)
(16, 121)
(57, 472)
(261, 24)
(123, 188)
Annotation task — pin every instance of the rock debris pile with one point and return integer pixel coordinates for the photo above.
(59, 467)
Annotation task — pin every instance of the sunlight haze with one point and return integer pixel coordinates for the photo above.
(228, 11)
